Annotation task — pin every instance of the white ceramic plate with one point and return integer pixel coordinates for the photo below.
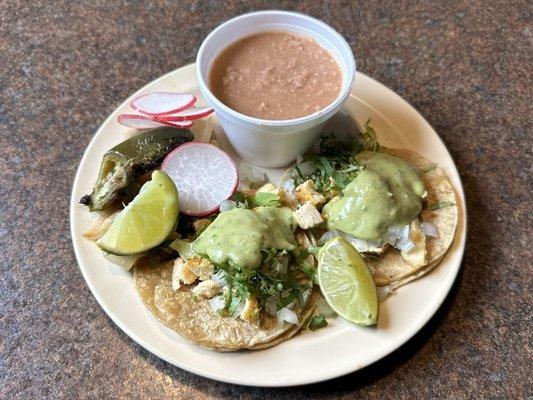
(310, 357)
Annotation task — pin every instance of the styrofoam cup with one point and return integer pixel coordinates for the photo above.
(273, 143)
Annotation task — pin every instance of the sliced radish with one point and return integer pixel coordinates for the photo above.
(189, 114)
(162, 103)
(148, 122)
(204, 175)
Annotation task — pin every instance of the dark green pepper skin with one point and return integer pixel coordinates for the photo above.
(130, 159)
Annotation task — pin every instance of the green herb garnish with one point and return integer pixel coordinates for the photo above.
(336, 166)
(370, 139)
(318, 321)
(441, 204)
(272, 279)
(310, 270)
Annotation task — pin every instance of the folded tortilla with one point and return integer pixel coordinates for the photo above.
(196, 320)
(390, 268)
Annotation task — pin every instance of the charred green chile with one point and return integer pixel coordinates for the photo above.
(130, 159)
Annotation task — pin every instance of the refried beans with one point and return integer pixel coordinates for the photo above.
(275, 75)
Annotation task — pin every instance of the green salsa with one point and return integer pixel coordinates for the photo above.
(387, 192)
(237, 237)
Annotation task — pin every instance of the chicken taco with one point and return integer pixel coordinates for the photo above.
(394, 206)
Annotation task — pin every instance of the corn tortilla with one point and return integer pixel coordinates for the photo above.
(197, 322)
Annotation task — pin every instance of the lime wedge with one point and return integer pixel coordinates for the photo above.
(145, 222)
(346, 282)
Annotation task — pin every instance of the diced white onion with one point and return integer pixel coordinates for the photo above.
(322, 307)
(289, 185)
(405, 246)
(404, 243)
(220, 278)
(287, 315)
(384, 292)
(217, 302)
(430, 229)
(405, 233)
(360, 245)
(227, 205)
(305, 295)
(393, 234)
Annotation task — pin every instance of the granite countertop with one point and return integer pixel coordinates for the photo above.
(66, 65)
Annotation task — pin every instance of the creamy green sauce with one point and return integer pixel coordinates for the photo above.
(237, 237)
(387, 192)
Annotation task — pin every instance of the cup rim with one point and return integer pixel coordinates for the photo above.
(339, 100)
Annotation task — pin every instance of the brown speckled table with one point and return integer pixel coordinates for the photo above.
(65, 65)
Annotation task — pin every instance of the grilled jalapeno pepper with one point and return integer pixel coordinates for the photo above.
(130, 159)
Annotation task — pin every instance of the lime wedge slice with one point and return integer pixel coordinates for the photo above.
(145, 222)
(346, 282)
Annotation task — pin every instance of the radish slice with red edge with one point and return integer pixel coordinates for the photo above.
(189, 114)
(137, 121)
(162, 103)
(204, 175)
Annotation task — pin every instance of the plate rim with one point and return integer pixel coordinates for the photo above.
(463, 215)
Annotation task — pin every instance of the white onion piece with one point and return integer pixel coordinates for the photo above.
(289, 186)
(220, 278)
(299, 159)
(405, 233)
(217, 303)
(404, 243)
(360, 245)
(430, 229)
(287, 315)
(305, 295)
(405, 246)
(393, 234)
(227, 205)
(384, 292)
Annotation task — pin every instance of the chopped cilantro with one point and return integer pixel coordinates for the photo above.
(441, 204)
(370, 139)
(335, 166)
(310, 271)
(318, 321)
(241, 200)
